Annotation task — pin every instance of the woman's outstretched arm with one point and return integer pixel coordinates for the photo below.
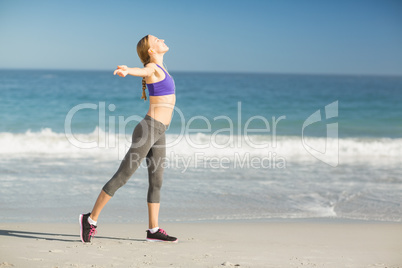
(123, 70)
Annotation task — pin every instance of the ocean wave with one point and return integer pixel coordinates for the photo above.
(102, 144)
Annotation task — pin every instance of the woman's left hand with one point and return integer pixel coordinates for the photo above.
(123, 67)
(121, 71)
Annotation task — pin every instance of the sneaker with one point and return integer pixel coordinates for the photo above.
(87, 230)
(160, 236)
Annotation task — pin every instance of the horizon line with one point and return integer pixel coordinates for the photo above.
(210, 72)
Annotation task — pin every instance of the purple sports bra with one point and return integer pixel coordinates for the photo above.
(161, 88)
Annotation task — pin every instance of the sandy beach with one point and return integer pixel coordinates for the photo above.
(206, 244)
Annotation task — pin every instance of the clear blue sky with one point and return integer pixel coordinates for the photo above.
(335, 37)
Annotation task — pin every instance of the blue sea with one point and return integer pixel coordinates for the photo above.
(240, 146)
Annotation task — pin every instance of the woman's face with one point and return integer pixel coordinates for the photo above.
(157, 45)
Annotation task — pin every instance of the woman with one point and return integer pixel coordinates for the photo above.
(148, 139)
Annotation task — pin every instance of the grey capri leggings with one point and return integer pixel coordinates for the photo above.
(148, 141)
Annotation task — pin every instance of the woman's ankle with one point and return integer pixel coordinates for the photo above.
(93, 217)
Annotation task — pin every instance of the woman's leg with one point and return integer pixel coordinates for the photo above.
(102, 200)
(153, 215)
(144, 136)
(155, 162)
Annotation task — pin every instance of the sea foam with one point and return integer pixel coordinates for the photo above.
(100, 144)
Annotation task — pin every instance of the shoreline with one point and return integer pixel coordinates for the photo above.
(206, 244)
(108, 220)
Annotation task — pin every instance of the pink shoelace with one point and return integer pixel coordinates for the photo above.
(92, 232)
(162, 231)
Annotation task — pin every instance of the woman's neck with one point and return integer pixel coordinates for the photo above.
(158, 59)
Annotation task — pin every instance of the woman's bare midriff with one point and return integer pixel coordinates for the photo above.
(161, 107)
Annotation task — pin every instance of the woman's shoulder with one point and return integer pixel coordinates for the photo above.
(157, 70)
(151, 65)
(157, 75)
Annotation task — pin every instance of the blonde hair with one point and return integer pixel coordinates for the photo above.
(142, 51)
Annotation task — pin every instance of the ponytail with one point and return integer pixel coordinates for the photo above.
(144, 86)
(142, 50)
